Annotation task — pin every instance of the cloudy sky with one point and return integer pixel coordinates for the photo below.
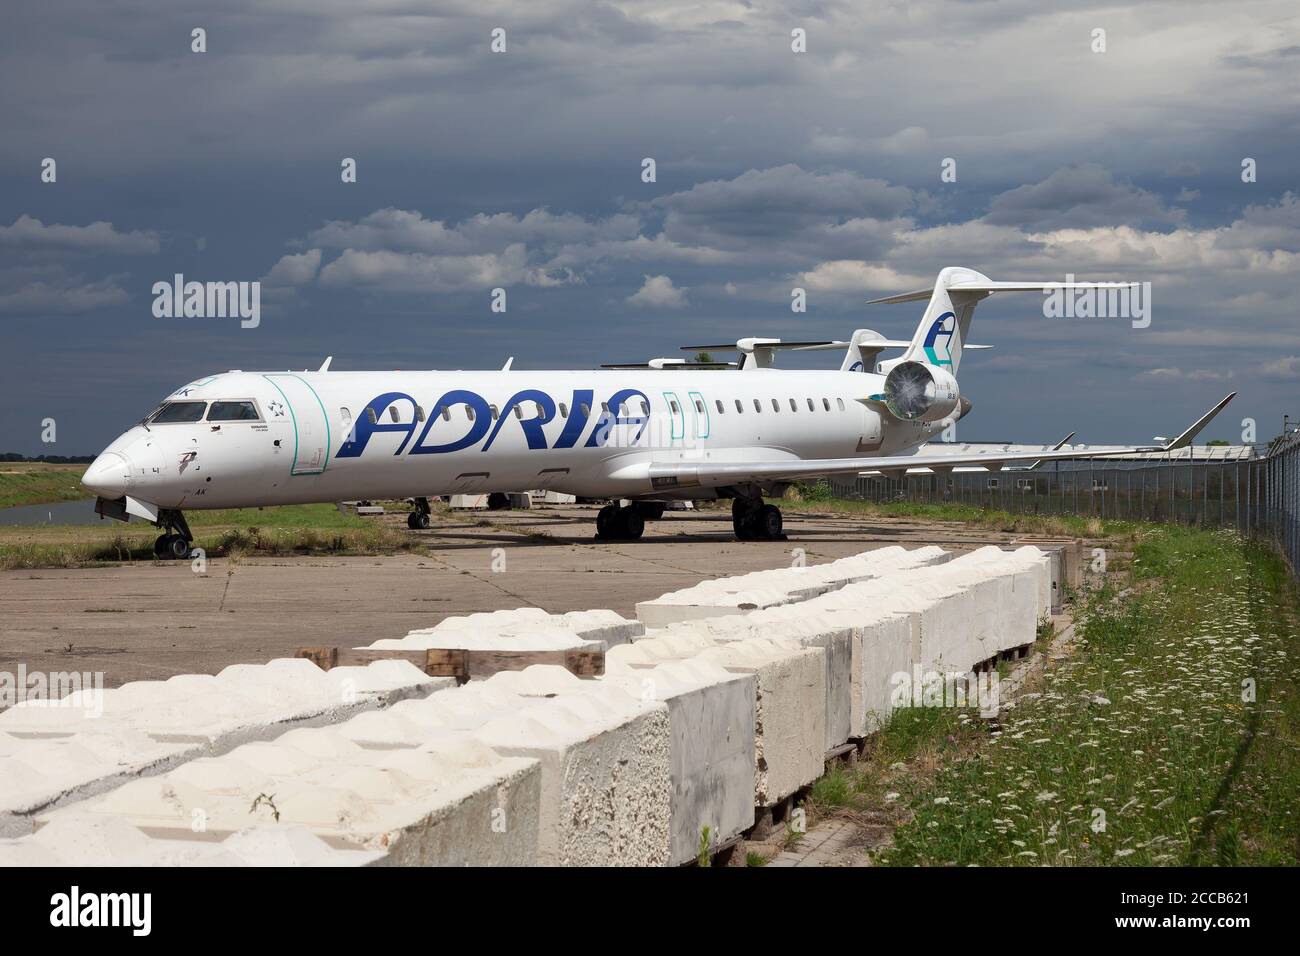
(523, 170)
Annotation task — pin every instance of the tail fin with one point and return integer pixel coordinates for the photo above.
(939, 339)
(863, 347)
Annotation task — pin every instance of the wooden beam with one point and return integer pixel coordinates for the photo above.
(462, 663)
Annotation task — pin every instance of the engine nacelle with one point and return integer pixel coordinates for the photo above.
(916, 392)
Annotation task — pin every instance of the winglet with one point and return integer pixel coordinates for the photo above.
(1185, 439)
(1057, 447)
(325, 365)
(509, 362)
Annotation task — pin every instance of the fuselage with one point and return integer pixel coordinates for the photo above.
(271, 438)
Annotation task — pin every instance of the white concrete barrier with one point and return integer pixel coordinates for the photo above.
(790, 701)
(740, 594)
(81, 840)
(711, 719)
(520, 628)
(605, 756)
(449, 801)
(54, 753)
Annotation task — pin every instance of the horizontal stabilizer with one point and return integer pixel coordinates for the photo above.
(988, 287)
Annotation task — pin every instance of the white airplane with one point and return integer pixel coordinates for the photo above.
(667, 430)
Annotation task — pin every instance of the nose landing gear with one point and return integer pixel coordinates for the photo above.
(177, 541)
(418, 519)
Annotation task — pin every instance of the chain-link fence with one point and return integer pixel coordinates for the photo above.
(1256, 491)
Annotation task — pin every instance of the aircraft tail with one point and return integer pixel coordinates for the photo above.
(941, 336)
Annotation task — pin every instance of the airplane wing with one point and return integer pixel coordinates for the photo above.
(717, 472)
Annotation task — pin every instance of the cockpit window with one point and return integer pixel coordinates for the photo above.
(174, 413)
(233, 412)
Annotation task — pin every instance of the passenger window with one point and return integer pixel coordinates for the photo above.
(718, 402)
(564, 410)
(673, 405)
(519, 412)
(758, 406)
(604, 407)
(699, 406)
(840, 402)
(811, 406)
(370, 414)
(496, 413)
(346, 415)
(826, 404)
(179, 413)
(645, 408)
(233, 412)
(794, 406)
(392, 412)
(586, 409)
(776, 406)
(469, 412)
(445, 412)
(740, 409)
(419, 413)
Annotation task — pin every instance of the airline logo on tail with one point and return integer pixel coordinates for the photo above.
(938, 341)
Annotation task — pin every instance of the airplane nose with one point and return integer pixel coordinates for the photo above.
(107, 476)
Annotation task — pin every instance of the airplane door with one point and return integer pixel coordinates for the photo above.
(678, 415)
(700, 410)
(311, 427)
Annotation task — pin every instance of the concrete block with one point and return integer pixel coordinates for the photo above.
(95, 840)
(711, 715)
(61, 754)
(808, 626)
(468, 502)
(449, 801)
(520, 629)
(790, 699)
(606, 780)
(740, 594)
(790, 712)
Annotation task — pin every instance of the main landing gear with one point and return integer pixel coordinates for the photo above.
(755, 521)
(176, 542)
(418, 519)
(614, 523)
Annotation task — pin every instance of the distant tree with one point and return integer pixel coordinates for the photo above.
(1216, 443)
(704, 358)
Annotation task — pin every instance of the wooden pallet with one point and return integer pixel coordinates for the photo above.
(460, 663)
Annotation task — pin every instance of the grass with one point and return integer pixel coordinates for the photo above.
(1143, 747)
(291, 529)
(36, 483)
(990, 518)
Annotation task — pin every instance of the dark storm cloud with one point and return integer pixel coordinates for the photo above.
(523, 170)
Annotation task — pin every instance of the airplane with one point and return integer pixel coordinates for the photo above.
(644, 435)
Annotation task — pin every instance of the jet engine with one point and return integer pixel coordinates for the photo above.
(916, 392)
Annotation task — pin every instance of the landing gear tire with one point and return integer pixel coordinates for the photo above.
(417, 520)
(614, 523)
(769, 523)
(606, 521)
(756, 522)
(632, 524)
(172, 546)
(498, 501)
(650, 510)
